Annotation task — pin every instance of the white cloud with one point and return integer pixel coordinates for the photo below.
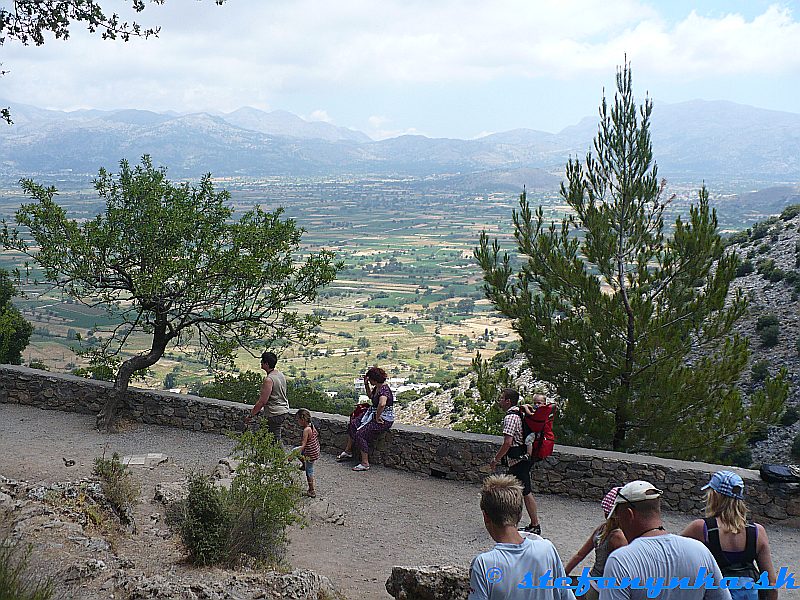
(249, 53)
(319, 115)
(377, 121)
(378, 129)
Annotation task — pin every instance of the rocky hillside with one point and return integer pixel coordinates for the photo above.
(769, 275)
(449, 405)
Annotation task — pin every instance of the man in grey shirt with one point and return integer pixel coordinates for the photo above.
(272, 398)
(655, 558)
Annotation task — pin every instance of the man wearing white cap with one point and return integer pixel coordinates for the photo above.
(654, 555)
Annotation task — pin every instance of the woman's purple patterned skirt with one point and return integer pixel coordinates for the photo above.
(362, 437)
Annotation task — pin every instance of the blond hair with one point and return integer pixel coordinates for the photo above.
(731, 513)
(501, 499)
(606, 528)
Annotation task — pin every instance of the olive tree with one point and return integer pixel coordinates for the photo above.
(173, 262)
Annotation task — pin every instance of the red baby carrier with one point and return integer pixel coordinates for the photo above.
(540, 423)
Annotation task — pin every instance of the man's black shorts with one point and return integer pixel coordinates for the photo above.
(522, 471)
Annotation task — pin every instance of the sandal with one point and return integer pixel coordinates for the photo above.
(311, 494)
(360, 467)
(344, 456)
(537, 529)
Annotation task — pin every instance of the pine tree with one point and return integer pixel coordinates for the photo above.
(633, 326)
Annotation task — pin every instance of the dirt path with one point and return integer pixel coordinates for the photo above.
(392, 517)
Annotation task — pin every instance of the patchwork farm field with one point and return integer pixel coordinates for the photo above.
(408, 299)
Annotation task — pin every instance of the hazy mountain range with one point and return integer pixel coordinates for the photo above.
(711, 140)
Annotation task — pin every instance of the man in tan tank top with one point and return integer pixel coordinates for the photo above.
(273, 398)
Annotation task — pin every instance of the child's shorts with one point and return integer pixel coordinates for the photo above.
(309, 468)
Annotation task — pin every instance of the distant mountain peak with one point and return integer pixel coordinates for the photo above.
(695, 140)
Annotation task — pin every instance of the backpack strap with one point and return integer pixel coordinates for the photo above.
(750, 544)
(518, 450)
(726, 566)
(713, 543)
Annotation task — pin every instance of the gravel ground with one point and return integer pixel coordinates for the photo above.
(392, 517)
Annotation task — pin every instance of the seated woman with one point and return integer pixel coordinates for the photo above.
(733, 541)
(377, 419)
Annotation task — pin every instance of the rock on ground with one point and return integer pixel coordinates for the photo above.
(297, 585)
(429, 583)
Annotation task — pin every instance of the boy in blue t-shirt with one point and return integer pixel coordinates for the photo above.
(496, 574)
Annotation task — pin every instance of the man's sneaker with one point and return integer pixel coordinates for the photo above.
(537, 529)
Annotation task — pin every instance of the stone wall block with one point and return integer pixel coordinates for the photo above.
(575, 472)
(793, 507)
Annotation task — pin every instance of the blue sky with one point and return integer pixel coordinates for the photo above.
(442, 68)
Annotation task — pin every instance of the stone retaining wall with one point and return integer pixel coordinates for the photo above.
(576, 472)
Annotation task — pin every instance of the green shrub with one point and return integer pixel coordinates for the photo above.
(769, 336)
(759, 434)
(37, 364)
(776, 275)
(759, 230)
(459, 403)
(301, 393)
(433, 410)
(790, 416)
(790, 212)
(765, 321)
(759, 371)
(251, 518)
(745, 268)
(768, 328)
(244, 387)
(763, 248)
(206, 525)
(791, 277)
(118, 486)
(740, 237)
(16, 581)
(796, 446)
(97, 372)
(738, 458)
(407, 397)
(264, 497)
(765, 267)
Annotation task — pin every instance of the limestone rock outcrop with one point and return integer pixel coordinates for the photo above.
(429, 583)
